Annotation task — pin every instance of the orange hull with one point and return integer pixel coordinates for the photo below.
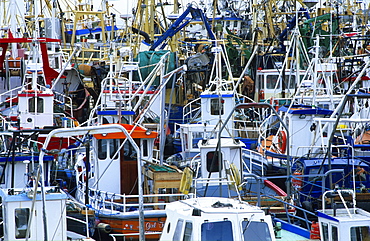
(127, 226)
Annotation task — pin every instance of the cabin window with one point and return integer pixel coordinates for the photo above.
(21, 222)
(212, 161)
(6, 142)
(260, 82)
(2, 174)
(360, 233)
(291, 82)
(186, 141)
(177, 233)
(113, 147)
(4, 145)
(129, 152)
(188, 230)
(271, 82)
(197, 136)
(102, 149)
(217, 231)
(33, 102)
(105, 120)
(324, 106)
(325, 232)
(56, 63)
(217, 106)
(334, 233)
(105, 145)
(258, 230)
(235, 24)
(145, 148)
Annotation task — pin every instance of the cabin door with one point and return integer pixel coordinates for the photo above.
(128, 169)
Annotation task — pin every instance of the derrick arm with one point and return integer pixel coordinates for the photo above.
(196, 13)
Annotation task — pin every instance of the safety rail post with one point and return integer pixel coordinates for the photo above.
(258, 179)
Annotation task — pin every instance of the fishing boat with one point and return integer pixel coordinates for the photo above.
(30, 199)
(204, 116)
(220, 164)
(29, 215)
(322, 112)
(31, 75)
(30, 202)
(211, 218)
(31, 109)
(231, 219)
(110, 168)
(343, 221)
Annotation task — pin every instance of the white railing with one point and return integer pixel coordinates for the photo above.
(112, 202)
(255, 158)
(191, 112)
(10, 94)
(61, 99)
(223, 181)
(5, 124)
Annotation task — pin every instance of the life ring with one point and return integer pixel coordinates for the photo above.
(282, 141)
(186, 180)
(235, 177)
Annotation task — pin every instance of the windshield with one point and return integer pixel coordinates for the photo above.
(212, 231)
(258, 230)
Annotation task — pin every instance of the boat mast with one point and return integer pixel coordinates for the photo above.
(13, 25)
(35, 58)
(53, 27)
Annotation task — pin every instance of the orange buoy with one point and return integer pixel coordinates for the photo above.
(274, 103)
(315, 231)
(297, 180)
(14, 63)
(261, 95)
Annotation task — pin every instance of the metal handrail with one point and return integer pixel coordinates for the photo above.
(288, 205)
(107, 200)
(189, 105)
(257, 155)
